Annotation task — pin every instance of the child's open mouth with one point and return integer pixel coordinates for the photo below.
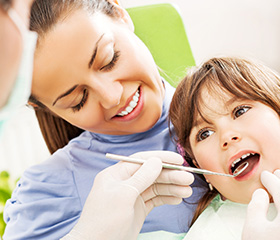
(252, 159)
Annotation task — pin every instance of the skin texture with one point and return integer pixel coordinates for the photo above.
(236, 127)
(105, 88)
(11, 47)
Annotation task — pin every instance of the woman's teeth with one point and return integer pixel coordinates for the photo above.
(131, 105)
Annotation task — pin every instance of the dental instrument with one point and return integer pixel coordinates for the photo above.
(236, 172)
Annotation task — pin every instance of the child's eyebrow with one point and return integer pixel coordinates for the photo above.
(198, 122)
(201, 120)
(231, 101)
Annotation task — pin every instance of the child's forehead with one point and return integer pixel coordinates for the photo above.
(210, 96)
(212, 102)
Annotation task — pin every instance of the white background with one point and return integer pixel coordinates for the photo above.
(248, 28)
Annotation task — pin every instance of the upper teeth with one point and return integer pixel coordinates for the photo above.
(131, 105)
(241, 158)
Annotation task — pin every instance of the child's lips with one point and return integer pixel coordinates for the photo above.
(238, 159)
(253, 161)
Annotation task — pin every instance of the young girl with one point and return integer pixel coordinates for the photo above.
(95, 83)
(226, 112)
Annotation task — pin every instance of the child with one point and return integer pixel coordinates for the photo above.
(226, 112)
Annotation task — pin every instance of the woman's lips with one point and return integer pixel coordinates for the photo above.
(133, 107)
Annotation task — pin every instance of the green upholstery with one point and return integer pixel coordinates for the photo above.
(161, 28)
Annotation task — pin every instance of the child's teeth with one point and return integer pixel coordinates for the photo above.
(241, 158)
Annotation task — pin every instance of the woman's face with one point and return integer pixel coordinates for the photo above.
(238, 131)
(94, 72)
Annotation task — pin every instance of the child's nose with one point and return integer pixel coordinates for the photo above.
(230, 138)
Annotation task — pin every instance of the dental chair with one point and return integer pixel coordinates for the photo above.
(161, 28)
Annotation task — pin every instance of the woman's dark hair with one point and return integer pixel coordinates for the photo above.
(241, 78)
(45, 14)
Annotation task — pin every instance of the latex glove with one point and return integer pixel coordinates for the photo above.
(257, 227)
(123, 194)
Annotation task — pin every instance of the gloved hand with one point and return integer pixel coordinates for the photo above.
(123, 194)
(257, 227)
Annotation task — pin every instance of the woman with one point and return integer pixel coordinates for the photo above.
(92, 73)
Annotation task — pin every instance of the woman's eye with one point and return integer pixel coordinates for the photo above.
(203, 134)
(111, 64)
(240, 110)
(79, 106)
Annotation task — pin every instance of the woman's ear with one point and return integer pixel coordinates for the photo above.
(124, 14)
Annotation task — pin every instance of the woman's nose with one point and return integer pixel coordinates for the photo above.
(109, 95)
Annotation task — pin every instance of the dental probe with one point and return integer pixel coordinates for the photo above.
(236, 172)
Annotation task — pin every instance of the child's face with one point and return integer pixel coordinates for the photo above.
(91, 94)
(237, 129)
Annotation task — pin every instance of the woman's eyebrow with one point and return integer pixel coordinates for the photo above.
(94, 52)
(65, 94)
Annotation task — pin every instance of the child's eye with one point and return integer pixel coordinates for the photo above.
(82, 102)
(111, 64)
(240, 110)
(203, 134)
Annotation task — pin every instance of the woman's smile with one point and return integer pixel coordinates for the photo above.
(131, 104)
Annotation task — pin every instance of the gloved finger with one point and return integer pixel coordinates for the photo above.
(175, 177)
(165, 156)
(145, 176)
(166, 190)
(161, 200)
(256, 214)
(277, 173)
(258, 206)
(272, 184)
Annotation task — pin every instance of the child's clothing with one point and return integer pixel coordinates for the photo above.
(161, 235)
(219, 221)
(49, 197)
(222, 220)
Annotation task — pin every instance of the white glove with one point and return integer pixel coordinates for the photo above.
(257, 227)
(123, 194)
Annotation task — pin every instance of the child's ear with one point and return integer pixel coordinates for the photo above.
(124, 14)
(195, 163)
(34, 105)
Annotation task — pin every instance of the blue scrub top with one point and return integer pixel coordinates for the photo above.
(49, 197)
